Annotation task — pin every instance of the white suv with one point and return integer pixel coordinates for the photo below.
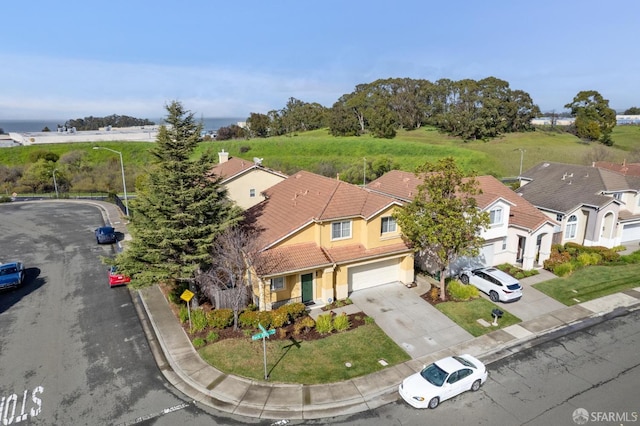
(499, 285)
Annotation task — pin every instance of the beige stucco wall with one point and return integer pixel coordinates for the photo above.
(257, 179)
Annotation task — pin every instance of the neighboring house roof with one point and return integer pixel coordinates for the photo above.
(404, 186)
(306, 198)
(564, 187)
(631, 169)
(235, 167)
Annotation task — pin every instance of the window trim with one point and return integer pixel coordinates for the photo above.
(571, 228)
(499, 210)
(273, 284)
(388, 220)
(342, 236)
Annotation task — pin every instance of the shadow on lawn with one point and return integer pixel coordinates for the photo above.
(287, 348)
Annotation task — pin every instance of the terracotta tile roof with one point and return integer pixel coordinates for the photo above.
(564, 187)
(630, 169)
(306, 197)
(291, 258)
(403, 185)
(236, 166)
(358, 252)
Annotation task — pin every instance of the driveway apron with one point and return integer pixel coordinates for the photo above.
(415, 325)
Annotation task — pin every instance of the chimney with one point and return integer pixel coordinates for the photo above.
(223, 157)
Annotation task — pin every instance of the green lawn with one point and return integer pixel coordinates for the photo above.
(466, 315)
(313, 362)
(591, 282)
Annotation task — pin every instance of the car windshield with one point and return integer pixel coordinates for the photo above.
(106, 230)
(434, 375)
(514, 286)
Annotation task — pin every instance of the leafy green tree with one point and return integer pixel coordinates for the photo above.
(594, 119)
(443, 220)
(38, 176)
(179, 208)
(630, 111)
(258, 125)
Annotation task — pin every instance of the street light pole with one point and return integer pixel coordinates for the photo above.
(522, 151)
(55, 184)
(124, 183)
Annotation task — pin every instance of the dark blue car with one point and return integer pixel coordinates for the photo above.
(11, 275)
(106, 235)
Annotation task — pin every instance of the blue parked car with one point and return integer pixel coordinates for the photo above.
(11, 275)
(106, 235)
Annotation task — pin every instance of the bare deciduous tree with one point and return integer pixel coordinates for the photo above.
(227, 283)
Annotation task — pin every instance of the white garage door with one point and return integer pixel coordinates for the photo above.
(373, 274)
(630, 232)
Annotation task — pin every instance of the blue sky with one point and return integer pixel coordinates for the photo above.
(73, 58)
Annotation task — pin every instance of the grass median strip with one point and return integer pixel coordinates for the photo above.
(307, 362)
(466, 315)
(591, 283)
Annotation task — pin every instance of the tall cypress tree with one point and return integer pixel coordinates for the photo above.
(179, 208)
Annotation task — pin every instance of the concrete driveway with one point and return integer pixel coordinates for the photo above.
(409, 320)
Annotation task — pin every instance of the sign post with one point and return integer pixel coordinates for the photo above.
(263, 335)
(187, 296)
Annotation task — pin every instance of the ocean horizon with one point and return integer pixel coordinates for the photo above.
(27, 126)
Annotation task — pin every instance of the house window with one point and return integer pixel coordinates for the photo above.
(277, 283)
(504, 243)
(496, 216)
(388, 225)
(572, 226)
(340, 230)
(252, 193)
(617, 195)
(559, 217)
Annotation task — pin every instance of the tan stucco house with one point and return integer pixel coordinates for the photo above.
(518, 233)
(245, 180)
(321, 238)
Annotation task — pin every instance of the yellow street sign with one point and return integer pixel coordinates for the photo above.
(187, 296)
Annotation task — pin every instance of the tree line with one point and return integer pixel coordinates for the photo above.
(114, 120)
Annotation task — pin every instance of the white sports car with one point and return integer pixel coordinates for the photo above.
(442, 380)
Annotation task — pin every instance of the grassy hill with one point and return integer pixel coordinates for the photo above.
(317, 150)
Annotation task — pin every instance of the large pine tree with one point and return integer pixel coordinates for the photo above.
(179, 208)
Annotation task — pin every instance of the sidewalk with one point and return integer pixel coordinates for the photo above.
(182, 366)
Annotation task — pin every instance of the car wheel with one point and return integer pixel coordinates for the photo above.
(475, 386)
(464, 279)
(494, 296)
(434, 402)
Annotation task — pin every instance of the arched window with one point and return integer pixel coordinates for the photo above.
(572, 226)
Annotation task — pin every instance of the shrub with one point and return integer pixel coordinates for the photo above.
(220, 318)
(198, 320)
(304, 325)
(459, 291)
(563, 269)
(295, 310)
(324, 324)
(212, 337)
(176, 291)
(369, 320)
(341, 322)
(248, 319)
(5, 199)
(199, 342)
(183, 314)
(264, 318)
(558, 256)
(279, 317)
(282, 333)
(244, 149)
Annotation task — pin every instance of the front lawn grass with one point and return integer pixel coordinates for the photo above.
(466, 315)
(308, 362)
(591, 282)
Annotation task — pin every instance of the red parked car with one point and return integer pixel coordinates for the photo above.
(116, 279)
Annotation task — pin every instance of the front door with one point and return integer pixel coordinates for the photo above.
(307, 288)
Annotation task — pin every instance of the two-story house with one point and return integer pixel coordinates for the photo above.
(518, 233)
(321, 238)
(595, 206)
(245, 180)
